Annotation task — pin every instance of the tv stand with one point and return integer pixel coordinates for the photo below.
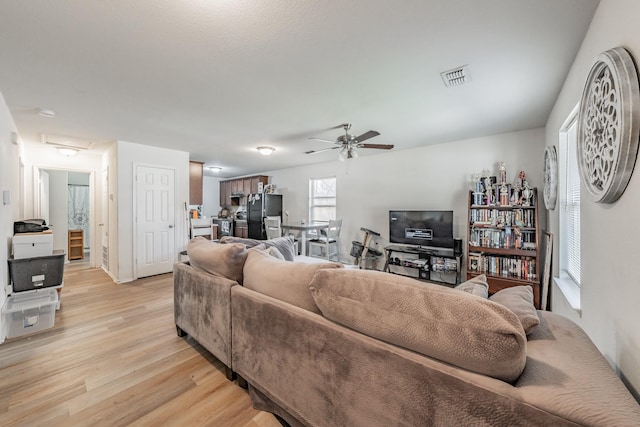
(439, 266)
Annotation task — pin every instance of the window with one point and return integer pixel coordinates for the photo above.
(322, 199)
(570, 200)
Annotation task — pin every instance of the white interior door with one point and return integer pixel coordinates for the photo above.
(155, 220)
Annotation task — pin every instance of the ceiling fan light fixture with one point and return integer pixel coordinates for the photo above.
(265, 150)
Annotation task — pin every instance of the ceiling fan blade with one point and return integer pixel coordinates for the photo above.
(367, 135)
(324, 140)
(320, 151)
(378, 146)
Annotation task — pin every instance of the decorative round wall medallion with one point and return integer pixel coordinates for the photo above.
(608, 126)
(550, 177)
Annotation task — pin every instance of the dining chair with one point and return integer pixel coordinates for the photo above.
(273, 227)
(201, 227)
(329, 239)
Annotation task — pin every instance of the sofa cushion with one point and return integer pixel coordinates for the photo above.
(221, 260)
(284, 280)
(475, 286)
(454, 327)
(519, 299)
(285, 244)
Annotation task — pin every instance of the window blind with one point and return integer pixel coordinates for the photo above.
(322, 199)
(572, 207)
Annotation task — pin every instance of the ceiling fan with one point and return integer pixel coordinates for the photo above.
(348, 143)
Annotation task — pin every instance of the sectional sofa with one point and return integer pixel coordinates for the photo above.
(320, 345)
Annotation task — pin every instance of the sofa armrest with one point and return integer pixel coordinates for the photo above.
(202, 309)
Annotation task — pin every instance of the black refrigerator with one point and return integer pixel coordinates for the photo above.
(260, 206)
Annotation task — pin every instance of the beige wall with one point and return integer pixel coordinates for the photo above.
(128, 156)
(11, 155)
(436, 177)
(610, 292)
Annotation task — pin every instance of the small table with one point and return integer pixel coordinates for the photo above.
(303, 228)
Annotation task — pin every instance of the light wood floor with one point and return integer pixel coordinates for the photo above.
(113, 358)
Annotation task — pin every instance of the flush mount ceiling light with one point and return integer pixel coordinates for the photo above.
(215, 169)
(67, 151)
(49, 114)
(265, 151)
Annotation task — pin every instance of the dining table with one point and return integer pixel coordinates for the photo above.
(304, 227)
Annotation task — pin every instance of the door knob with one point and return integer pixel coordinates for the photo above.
(170, 226)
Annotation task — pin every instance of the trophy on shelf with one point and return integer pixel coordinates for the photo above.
(503, 173)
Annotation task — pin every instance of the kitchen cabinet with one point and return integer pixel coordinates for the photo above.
(257, 179)
(225, 193)
(245, 186)
(241, 229)
(195, 182)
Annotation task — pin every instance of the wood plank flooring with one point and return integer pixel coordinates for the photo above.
(113, 358)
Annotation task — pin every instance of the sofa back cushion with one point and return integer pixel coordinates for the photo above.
(220, 260)
(284, 280)
(285, 245)
(455, 327)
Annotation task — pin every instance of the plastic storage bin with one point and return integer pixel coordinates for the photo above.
(30, 312)
(39, 272)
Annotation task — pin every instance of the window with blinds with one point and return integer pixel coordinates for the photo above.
(322, 199)
(570, 214)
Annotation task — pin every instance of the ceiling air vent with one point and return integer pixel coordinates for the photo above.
(456, 77)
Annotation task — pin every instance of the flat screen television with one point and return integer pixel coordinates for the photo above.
(421, 228)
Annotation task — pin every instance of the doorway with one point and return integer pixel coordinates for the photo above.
(65, 201)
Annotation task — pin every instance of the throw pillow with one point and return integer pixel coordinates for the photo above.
(519, 299)
(439, 322)
(284, 244)
(220, 260)
(475, 286)
(283, 280)
(273, 251)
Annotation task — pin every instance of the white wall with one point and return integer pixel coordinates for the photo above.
(11, 155)
(610, 289)
(128, 156)
(58, 219)
(210, 196)
(434, 177)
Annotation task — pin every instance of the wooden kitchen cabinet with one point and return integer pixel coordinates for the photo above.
(246, 186)
(257, 179)
(195, 182)
(225, 193)
(241, 229)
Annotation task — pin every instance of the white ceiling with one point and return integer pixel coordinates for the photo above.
(217, 78)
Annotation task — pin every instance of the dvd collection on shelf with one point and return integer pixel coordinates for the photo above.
(509, 238)
(446, 265)
(523, 268)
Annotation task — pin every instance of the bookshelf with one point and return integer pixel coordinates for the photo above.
(503, 242)
(76, 244)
